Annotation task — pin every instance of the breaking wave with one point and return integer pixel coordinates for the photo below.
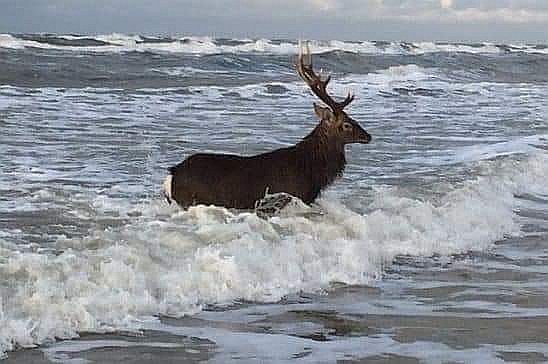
(164, 260)
(208, 45)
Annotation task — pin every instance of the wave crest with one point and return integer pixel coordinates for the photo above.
(207, 45)
(173, 262)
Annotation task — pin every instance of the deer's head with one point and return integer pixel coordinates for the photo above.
(340, 127)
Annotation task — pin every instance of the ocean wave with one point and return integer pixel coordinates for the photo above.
(391, 77)
(164, 260)
(395, 81)
(207, 45)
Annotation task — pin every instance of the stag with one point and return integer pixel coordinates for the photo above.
(302, 170)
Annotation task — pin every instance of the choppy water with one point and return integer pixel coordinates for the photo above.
(432, 248)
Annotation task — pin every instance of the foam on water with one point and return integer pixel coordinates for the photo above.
(169, 261)
(271, 348)
(120, 39)
(9, 41)
(207, 45)
(88, 243)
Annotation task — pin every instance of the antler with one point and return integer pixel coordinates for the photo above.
(305, 71)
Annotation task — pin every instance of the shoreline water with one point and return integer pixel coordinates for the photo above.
(430, 248)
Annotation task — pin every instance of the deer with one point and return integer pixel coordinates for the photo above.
(302, 170)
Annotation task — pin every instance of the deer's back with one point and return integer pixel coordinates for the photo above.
(237, 181)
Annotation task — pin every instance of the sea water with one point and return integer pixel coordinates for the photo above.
(432, 247)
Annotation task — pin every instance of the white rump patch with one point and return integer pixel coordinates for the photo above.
(166, 188)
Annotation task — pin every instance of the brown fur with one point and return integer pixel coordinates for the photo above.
(302, 170)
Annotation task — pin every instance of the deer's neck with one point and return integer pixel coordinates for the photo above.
(322, 157)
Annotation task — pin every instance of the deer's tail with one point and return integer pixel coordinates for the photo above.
(167, 187)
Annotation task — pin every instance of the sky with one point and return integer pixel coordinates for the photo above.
(407, 20)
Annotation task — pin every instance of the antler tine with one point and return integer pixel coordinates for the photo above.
(304, 69)
(308, 55)
(326, 81)
(349, 98)
(314, 81)
(306, 72)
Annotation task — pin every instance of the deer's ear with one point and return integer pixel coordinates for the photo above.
(324, 113)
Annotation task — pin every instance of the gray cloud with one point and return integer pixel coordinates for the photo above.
(343, 19)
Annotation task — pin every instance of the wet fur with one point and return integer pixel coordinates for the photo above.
(302, 170)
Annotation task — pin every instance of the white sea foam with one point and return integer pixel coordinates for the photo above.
(467, 154)
(404, 73)
(430, 47)
(272, 348)
(166, 187)
(173, 262)
(357, 83)
(9, 41)
(207, 45)
(120, 39)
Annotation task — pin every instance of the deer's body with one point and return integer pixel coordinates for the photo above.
(302, 170)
